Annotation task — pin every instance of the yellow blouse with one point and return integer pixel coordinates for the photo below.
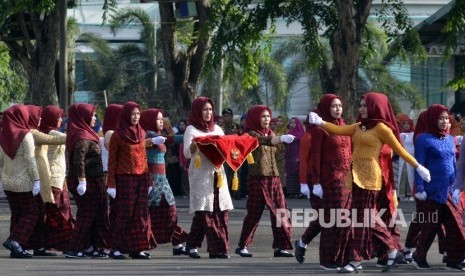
(367, 144)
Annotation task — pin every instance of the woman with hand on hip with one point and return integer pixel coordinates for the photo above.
(208, 202)
(377, 127)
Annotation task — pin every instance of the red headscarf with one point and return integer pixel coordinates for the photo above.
(79, 118)
(14, 127)
(195, 117)
(324, 109)
(252, 122)
(379, 110)
(111, 117)
(422, 124)
(148, 120)
(50, 117)
(34, 116)
(434, 112)
(401, 119)
(298, 131)
(133, 134)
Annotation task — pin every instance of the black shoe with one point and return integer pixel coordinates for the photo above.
(283, 253)
(180, 251)
(218, 256)
(8, 244)
(299, 252)
(194, 255)
(381, 263)
(139, 256)
(408, 256)
(99, 255)
(444, 259)
(349, 268)
(421, 264)
(246, 255)
(399, 257)
(458, 266)
(117, 257)
(21, 255)
(75, 255)
(44, 253)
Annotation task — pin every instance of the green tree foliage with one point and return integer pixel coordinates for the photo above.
(13, 82)
(455, 29)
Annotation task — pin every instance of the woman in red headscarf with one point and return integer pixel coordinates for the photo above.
(377, 126)
(128, 185)
(291, 158)
(42, 141)
(435, 149)
(208, 202)
(20, 178)
(328, 174)
(162, 205)
(59, 217)
(85, 182)
(264, 185)
(110, 122)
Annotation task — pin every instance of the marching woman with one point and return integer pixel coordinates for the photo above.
(208, 202)
(42, 141)
(110, 122)
(163, 214)
(85, 182)
(406, 135)
(264, 185)
(435, 149)
(128, 185)
(328, 175)
(20, 179)
(377, 127)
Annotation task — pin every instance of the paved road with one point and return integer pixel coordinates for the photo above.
(163, 263)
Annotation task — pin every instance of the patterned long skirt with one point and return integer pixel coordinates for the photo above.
(92, 227)
(59, 220)
(131, 228)
(164, 220)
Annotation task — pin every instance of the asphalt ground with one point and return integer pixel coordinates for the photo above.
(163, 263)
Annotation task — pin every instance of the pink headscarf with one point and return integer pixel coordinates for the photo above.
(298, 131)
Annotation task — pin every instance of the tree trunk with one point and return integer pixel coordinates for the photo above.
(345, 46)
(183, 69)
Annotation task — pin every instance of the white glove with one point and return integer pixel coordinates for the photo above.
(82, 187)
(317, 190)
(287, 138)
(158, 140)
(458, 140)
(304, 190)
(150, 189)
(111, 192)
(456, 196)
(314, 119)
(36, 188)
(421, 196)
(424, 173)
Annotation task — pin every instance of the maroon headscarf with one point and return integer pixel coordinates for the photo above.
(401, 119)
(148, 120)
(324, 109)
(434, 111)
(379, 110)
(111, 117)
(79, 118)
(195, 117)
(133, 134)
(34, 116)
(298, 131)
(50, 117)
(14, 127)
(422, 124)
(252, 121)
